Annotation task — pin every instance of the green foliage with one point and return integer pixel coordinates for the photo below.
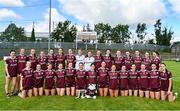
(141, 32)
(33, 38)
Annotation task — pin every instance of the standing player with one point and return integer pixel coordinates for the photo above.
(128, 60)
(80, 79)
(147, 61)
(133, 81)
(26, 81)
(70, 58)
(51, 58)
(60, 80)
(166, 84)
(156, 59)
(123, 81)
(49, 80)
(143, 82)
(38, 76)
(79, 59)
(60, 58)
(92, 75)
(32, 58)
(70, 80)
(11, 72)
(22, 58)
(98, 59)
(42, 60)
(88, 61)
(113, 82)
(154, 82)
(103, 80)
(137, 60)
(108, 59)
(118, 60)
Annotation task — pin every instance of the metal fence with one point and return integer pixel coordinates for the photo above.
(6, 46)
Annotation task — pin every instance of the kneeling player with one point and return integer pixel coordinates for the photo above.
(49, 80)
(166, 84)
(113, 82)
(143, 82)
(60, 80)
(38, 81)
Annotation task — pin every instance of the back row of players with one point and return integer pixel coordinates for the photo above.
(144, 76)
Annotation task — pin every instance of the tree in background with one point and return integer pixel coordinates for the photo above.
(141, 32)
(13, 33)
(64, 32)
(33, 38)
(163, 37)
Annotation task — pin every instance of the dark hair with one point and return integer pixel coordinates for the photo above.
(81, 63)
(12, 51)
(163, 63)
(92, 64)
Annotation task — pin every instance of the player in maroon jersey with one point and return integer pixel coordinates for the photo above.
(143, 82)
(42, 60)
(51, 58)
(103, 80)
(92, 75)
(133, 81)
(60, 80)
(70, 80)
(166, 84)
(70, 58)
(11, 72)
(156, 59)
(49, 80)
(98, 59)
(128, 60)
(118, 60)
(154, 82)
(22, 58)
(60, 58)
(113, 81)
(147, 61)
(108, 59)
(26, 81)
(38, 76)
(80, 79)
(32, 58)
(123, 81)
(137, 60)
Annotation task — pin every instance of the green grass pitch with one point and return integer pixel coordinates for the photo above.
(101, 103)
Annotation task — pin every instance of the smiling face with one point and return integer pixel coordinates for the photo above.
(137, 53)
(108, 52)
(98, 53)
(70, 51)
(153, 66)
(42, 54)
(89, 54)
(60, 66)
(118, 53)
(113, 68)
(103, 64)
(92, 67)
(38, 67)
(22, 51)
(70, 65)
(143, 67)
(49, 66)
(13, 54)
(133, 67)
(162, 67)
(146, 55)
(51, 52)
(79, 52)
(123, 68)
(127, 53)
(81, 66)
(60, 51)
(33, 52)
(28, 64)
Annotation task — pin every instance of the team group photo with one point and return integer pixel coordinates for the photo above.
(89, 55)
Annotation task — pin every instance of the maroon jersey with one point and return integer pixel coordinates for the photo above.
(60, 59)
(143, 80)
(113, 80)
(70, 77)
(27, 79)
(52, 60)
(60, 76)
(49, 79)
(154, 82)
(156, 61)
(128, 62)
(92, 77)
(103, 79)
(80, 79)
(118, 61)
(97, 61)
(123, 80)
(12, 66)
(147, 62)
(33, 61)
(108, 60)
(165, 76)
(70, 59)
(42, 61)
(133, 80)
(21, 62)
(137, 61)
(38, 78)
